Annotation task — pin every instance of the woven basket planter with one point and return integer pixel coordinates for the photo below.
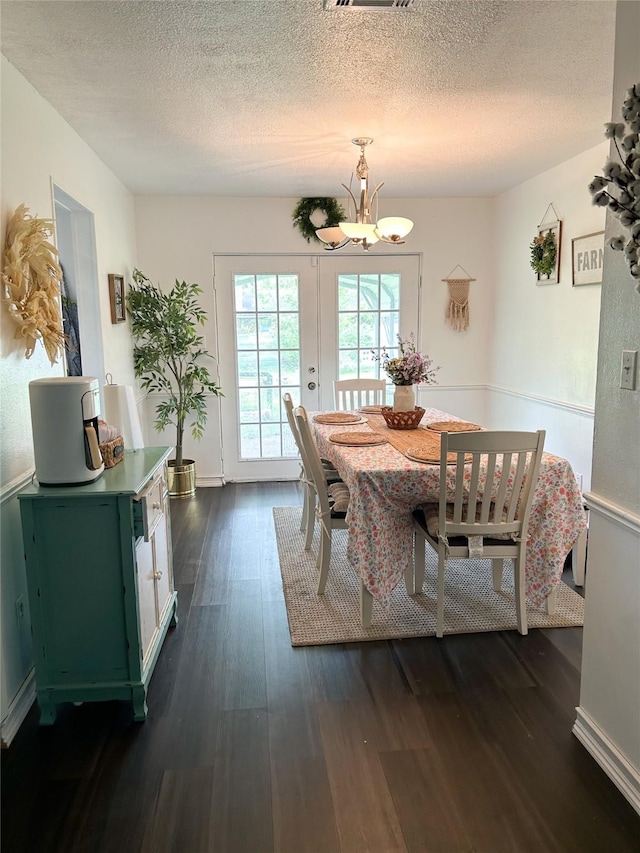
(402, 420)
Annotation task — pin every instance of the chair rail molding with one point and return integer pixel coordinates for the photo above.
(612, 511)
(577, 408)
(18, 709)
(14, 486)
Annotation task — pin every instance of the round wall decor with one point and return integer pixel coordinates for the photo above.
(304, 209)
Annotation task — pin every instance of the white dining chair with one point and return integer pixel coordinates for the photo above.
(330, 501)
(351, 394)
(483, 521)
(307, 522)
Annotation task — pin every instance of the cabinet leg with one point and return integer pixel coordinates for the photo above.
(139, 700)
(174, 615)
(48, 710)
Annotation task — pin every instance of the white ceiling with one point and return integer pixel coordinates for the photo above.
(262, 97)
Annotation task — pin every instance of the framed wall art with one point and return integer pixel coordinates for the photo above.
(116, 298)
(587, 258)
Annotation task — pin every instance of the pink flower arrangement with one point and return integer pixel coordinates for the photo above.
(410, 367)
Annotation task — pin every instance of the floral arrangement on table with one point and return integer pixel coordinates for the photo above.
(619, 188)
(410, 367)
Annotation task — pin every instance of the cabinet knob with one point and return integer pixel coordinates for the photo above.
(156, 505)
(157, 575)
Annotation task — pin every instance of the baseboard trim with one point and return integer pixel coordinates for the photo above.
(18, 709)
(209, 482)
(612, 511)
(605, 752)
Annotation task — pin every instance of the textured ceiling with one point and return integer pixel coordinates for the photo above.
(262, 97)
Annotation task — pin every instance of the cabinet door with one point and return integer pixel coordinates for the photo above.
(162, 566)
(147, 605)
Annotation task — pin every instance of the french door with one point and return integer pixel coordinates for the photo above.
(292, 323)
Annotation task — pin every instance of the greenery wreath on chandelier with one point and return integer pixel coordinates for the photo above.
(304, 209)
(543, 253)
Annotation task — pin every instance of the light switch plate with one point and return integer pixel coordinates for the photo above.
(628, 369)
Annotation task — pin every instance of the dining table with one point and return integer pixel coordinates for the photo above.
(386, 486)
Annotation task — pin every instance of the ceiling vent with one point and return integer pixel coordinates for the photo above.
(370, 5)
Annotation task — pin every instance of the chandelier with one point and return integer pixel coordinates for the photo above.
(361, 230)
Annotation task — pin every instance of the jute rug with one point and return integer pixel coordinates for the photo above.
(471, 604)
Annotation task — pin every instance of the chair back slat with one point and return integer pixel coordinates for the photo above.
(487, 513)
(474, 483)
(352, 394)
(516, 489)
(502, 496)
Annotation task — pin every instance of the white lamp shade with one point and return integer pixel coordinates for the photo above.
(120, 410)
(394, 228)
(360, 231)
(333, 236)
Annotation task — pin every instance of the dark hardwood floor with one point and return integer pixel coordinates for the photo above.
(460, 744)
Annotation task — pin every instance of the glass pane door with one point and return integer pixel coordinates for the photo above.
(366, 302)
(267, 310)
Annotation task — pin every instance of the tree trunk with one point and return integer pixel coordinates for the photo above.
(179, 437)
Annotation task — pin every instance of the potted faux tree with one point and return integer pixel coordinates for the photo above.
(169, 355)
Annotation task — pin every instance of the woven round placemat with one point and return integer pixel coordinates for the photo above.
(370, 410)
(429, 450)
(358, 439)
(453, 426)
(338, 418)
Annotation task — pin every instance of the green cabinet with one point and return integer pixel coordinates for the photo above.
(100, 579)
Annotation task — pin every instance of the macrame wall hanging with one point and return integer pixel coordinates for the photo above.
(457, 315)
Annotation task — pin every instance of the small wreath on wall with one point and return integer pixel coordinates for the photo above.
(544, 252)
(334, 214)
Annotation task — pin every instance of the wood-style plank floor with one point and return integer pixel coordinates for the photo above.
(251, 746)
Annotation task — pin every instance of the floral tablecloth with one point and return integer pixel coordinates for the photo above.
(386, 487)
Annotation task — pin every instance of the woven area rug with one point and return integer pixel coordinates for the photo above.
(471, 604)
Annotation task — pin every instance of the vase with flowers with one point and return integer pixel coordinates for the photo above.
(406, 369)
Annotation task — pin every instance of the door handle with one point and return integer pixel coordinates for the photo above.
(311, 386)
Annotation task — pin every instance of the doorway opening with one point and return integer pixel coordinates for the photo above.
(76, 242)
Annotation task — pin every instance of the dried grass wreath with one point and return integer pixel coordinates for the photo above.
(31, 279)
(304, 209)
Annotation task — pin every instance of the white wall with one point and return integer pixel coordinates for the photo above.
(608, 721)
(38, 149)
(178, 236)
(545, 337)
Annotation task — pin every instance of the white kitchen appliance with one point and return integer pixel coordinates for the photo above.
(64, 423)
